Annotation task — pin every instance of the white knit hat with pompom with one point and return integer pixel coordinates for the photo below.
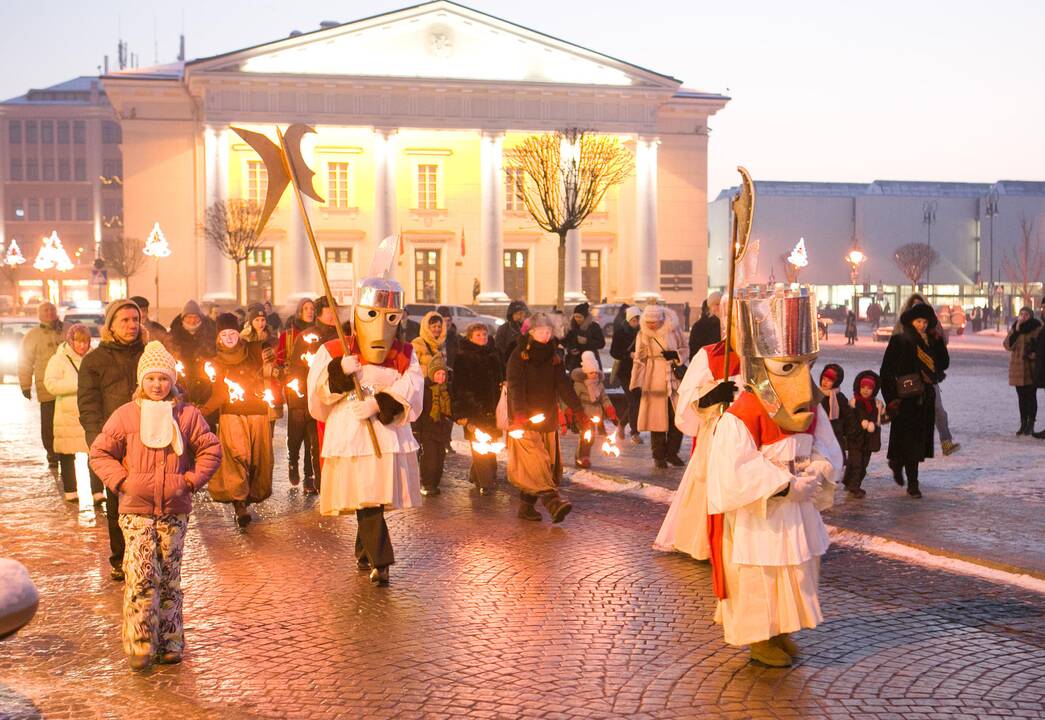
(156, 359)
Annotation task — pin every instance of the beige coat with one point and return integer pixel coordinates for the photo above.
(61, 379)
(1021, 368)
(653, 375)
(426, 345)
(38, 345)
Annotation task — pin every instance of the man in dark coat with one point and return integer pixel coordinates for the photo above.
(275, 322)
(708, 329)
(453, 336)
(192, 342)
(155, 330)
(584, 334)
(474, 393)
(1039, 362)
(508, 334)
(622, 350)
(108, 379)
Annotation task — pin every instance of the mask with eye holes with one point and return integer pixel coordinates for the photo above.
(778, 344)
(378, 312)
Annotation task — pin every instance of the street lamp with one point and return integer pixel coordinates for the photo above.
(156, 246)
(990, 209)
(855, 258)
(52, 256)
(929, 218)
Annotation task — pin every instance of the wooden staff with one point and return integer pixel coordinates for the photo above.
(289, 168)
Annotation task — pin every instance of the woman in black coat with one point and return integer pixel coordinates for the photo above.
(583, 334)
(622, 350)
(917, 355)
(475, 391)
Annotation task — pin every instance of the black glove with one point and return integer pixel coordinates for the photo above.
(27, 393)
(388, 408)
(670, 355)
(679, 371)
(336, 378)
(721, 393)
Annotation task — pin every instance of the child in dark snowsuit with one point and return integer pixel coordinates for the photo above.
(432, 429)
(834, 402)
(863, 431)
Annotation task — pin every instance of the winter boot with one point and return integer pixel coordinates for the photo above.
(769, 654)
(950, 447)
(557, 506)
(379, 576)
(243, 517)
(527, 511)
(295, 476)
(139, 663)
(897, 473)
(912, 483)
(785, 643)
(582, 462)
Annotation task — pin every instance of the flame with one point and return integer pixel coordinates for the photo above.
(609, 445)
(236, 391)
(516, 434)
(308, 357)
(295, 385)
(482, 445)
(310, 338)
(537, 419)
(595, 419)
(587, 435)
(179, 367)
(209, 370)
(269, 398)
(799, 257)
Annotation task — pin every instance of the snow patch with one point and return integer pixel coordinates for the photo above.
(609, 484)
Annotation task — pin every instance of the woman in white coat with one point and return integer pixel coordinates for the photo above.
(61, 378)
(659, 350)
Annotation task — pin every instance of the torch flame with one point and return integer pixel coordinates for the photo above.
(209, 370)
(537, 419)
(595, 419)
(310, 338)
(269, 398)
(236, 391)
(609, 445)
(309, 357)
(295, 385)
(179, 367)
(482, 445)
(587, 435)
(516, 434)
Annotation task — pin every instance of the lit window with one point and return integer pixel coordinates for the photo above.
(427, 186)
(257, 181)
(513, 189)
(337, 185)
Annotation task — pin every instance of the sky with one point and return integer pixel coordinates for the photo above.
(821, 91)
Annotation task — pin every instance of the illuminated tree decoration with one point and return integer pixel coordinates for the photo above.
(156, 244)
(52, 255)
(14, 256)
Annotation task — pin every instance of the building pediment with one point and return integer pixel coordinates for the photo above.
(439, 41)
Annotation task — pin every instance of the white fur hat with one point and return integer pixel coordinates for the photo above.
(589, 363)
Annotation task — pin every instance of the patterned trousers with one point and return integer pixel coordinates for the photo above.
(152, 621)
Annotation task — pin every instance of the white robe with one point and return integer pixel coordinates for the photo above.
(685, 527)
(771, 545)
(353, 476)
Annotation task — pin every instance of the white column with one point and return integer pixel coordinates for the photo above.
(385, 210)
(646, 219)
(219, 275)
(491, 218)
(304, 281)
(574, 291)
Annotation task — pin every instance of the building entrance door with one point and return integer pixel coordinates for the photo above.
(591, 274)
(259, 276)
(426, 276)
(516, 270)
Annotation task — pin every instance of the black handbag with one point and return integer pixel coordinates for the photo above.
(909, 386)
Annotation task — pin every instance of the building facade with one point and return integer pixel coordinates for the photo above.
(61, 171)
(414, 111)
(974, 228)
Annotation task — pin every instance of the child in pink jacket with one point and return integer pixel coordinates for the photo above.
(154, 451)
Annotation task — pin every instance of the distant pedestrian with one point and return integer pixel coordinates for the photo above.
(874, 314)
(62, 379)
(1039, 361)
(36, 350)
(433, 427)
(272, 318)
(108, 378)
(622, 350)
(850, 328)
(1021, 342)
(474, 393)
(155, 430)
(707, 330)
(537, 384)
(508, 334)
(245, 476)
(863, 430)
(453, 337)
(589, 386)
(582, 334)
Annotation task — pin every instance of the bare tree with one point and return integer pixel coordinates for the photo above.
(1024, 265)
(123, 256)
(566, 175)
(914, 260)
(232, 227)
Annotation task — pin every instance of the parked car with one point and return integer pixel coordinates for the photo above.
(12, 330)
(462, 316)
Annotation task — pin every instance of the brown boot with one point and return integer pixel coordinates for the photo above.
(769, 654)
(557, 506)
(527, 511)
(785, 643)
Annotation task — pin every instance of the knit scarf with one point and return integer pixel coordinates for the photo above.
(868, 403)
(440, 402)
(234, 355)
(832, 402)
(157, 428)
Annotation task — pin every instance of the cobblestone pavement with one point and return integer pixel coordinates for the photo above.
(487, 617)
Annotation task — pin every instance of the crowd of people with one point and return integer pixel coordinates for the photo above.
(164, 412)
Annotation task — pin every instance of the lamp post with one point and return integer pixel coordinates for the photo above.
(855, 258)
(929, 218)
(52, 256)
(156, 246)
(990, 209)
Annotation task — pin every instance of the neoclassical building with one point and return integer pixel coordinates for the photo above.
(414, 110)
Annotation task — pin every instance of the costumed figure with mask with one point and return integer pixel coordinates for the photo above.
(355, 478)
(772, 468)
(704, 393)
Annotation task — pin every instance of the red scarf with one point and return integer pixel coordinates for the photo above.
(749, 409)
(717, 360)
